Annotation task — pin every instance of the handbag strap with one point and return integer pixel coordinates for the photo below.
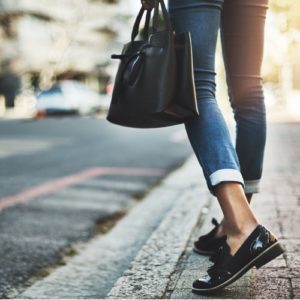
(165, 14)
(147, 25)
(137, 22)
(155, 21)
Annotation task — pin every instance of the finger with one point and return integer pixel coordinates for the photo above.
(146, 5)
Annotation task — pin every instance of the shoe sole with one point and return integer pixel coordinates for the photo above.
(203, 252)
(259, 261)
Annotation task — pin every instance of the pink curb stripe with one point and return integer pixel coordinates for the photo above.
(178, 136)
(56, 185)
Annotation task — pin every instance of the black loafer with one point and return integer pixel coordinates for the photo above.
(208, 244)
(260, 248)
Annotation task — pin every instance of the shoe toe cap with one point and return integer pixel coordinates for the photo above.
(202, 283)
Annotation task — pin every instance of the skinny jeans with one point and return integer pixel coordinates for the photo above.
(241, 24)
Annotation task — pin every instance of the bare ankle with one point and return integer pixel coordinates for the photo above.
(236, 237)
(235, 242)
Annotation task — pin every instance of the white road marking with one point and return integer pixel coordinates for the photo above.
(11, 147)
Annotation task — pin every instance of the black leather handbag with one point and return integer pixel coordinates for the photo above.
(154, 84)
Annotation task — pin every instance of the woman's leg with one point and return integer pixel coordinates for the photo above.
(248, 244)
(208, 134)
(242, 33)
(239, 220)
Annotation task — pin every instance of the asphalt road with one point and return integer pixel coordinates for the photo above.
(63, 180)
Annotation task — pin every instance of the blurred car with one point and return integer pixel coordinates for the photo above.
(70, 97)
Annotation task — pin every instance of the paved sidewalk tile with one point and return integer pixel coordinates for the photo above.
(277, 207)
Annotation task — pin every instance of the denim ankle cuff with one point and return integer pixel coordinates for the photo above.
(224, 175)
(252, 186)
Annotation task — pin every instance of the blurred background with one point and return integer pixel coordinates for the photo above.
(51, 51)
(77, 173)
(281, 65)
(44, 43)
(281, 69)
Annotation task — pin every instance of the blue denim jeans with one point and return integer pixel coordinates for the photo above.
(241, 23)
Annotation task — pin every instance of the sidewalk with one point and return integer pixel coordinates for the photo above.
(148, 254)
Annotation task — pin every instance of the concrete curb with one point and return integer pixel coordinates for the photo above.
(93, 272)
(150, 272)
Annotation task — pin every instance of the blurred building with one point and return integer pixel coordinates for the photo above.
(281, 68)
(45, 40)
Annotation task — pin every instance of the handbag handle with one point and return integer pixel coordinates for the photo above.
(137, 22)
(155, 20)
(166, 17)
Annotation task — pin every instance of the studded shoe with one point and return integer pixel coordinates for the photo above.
(208, 244)
(259, 248)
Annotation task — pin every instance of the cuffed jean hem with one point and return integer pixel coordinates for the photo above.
(252, 186)
(225, 175)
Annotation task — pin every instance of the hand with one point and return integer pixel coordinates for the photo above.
(148, 4)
